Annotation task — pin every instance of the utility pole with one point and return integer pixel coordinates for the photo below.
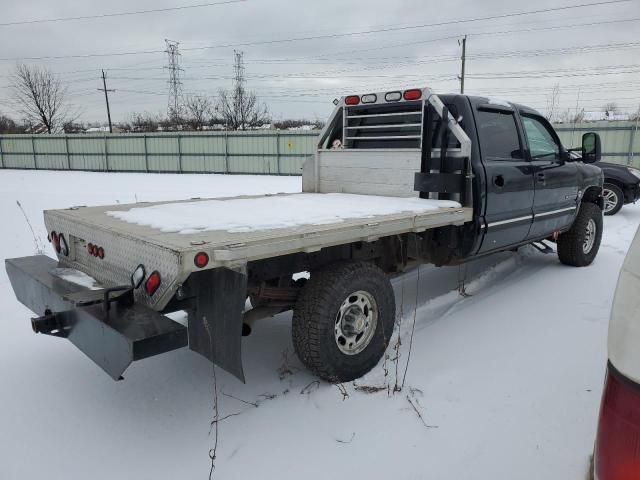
(106, 97)
(464, 55)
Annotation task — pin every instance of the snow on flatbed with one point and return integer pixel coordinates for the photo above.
(511, 377)
(241, 229)
(241, 215)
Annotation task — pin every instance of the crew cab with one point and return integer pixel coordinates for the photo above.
(400, 178)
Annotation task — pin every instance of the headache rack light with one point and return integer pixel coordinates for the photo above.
(352, 100)
(413, 94)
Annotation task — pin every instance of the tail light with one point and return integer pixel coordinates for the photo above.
(138, 276)
(63, 247)
(413, 94)
(201, 260)
(617, 451)
(352, 100)
(152, 283)
(55, 241)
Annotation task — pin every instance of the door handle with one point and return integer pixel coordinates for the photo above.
(498, 181)
(541, 177)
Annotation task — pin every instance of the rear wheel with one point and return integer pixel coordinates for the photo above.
(580, 244)
(343, 320)
(613, 198)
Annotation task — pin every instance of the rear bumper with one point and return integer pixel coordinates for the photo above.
(113, 335)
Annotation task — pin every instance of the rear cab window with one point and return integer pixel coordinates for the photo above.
(498, 133)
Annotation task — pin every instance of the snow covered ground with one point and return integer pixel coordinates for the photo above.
(507, 381)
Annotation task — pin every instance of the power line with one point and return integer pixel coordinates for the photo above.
(118, 14)
(333, 35)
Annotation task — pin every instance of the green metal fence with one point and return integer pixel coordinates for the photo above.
(620, 139)
(255, 152)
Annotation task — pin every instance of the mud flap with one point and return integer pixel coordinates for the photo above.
(215, 319)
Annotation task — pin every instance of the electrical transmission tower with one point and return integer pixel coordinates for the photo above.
(174, 107)
(238, 87)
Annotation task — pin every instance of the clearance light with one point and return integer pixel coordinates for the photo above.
(393, 96)
(100, 253)
(352, 100)
(138, 276)
(370, 98)
(414, 94)
(63, 247)
(55, 241)
(201, 260)
(152, 283)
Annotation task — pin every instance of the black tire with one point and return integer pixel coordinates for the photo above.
(316, 319)
(613, 198)
(572, 245)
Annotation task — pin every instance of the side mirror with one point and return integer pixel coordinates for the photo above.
(591, 147)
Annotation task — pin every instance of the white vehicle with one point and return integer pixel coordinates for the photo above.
(617, 449)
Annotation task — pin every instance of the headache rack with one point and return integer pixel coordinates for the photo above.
(410, 134)
(388, 125)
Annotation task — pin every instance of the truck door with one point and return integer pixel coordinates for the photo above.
(556, 191)
(509, 178)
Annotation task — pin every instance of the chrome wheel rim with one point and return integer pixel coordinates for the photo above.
(610, 199)
(356, 322)
(590, 236)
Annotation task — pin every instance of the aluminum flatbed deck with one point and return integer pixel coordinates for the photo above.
(171, 249)
(242, 246)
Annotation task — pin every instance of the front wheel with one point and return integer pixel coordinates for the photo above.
(613, 198)
(343, 320)
(580, 244)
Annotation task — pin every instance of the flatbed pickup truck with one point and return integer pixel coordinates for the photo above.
(399, 178)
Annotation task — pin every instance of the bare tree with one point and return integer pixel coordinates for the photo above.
(552, 102)
(41, 97)
(199, 110)
(571, 116)
(9, 125)
(609, 108)
(240, 109)
(144, 122)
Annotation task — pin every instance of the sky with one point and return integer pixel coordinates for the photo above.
(300, 55)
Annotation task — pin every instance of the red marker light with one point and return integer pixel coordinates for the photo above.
(201, 260)
(100, 253)
(152, 283)
(352, 100)
(414, 94)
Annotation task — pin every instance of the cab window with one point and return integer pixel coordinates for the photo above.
(498, 133)
(542, 143)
